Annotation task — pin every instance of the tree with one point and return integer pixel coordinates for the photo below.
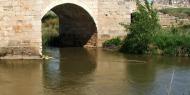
(143, 26)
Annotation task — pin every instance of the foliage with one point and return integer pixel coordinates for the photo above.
(147, 36)
(49, 15)
(173, 41)
(143, 26)
(112, 43)
(178, 12)
(50, 27)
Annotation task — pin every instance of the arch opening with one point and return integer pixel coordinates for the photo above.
(75, 27)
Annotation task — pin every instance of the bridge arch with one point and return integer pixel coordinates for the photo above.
(77, 23)
(82, 4)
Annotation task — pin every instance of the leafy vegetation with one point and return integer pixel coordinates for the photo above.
(113, 43)
(147, 37)
(178, 12)
(50, 29)
(143, 26)
(173, 41)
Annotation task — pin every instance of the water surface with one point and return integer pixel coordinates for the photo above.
(79, 71)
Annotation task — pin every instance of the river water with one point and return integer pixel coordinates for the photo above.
(79, 71)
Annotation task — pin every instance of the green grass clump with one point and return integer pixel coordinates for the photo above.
(174, 41)
(113, 43)
(178, 12)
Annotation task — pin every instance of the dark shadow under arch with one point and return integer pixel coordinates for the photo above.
(77, 28)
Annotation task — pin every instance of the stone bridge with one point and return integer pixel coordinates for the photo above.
(89, 22)
(81, 23)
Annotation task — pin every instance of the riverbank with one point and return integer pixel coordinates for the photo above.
(173, 41)
(168, 41)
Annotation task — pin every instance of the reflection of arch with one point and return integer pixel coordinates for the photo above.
(84, 60)
(68, 71)
(76, 2)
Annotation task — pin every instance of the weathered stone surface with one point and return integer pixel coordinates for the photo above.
(172, 3)
(169, 21)
(3, 52)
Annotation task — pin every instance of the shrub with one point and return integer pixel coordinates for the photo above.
(143, 26)
(113, 43)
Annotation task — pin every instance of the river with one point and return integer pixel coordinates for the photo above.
(79, 71)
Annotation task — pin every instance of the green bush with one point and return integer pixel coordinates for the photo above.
(143, 26)
(113, 43)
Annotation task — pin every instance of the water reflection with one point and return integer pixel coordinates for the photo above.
(78, 71)
(78, 60)
(141, 75)
(20, 77)
(154, 76)
(73, 72)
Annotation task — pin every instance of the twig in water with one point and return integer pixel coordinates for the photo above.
(171, 82)
(136, 61)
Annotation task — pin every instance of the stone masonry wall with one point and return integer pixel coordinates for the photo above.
(176, 3)
(169, 21)
(19, 30)
(110, 14)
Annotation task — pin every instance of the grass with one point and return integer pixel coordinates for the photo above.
(178, 12)
(113, 43)
(178, 38)
(173, 41)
